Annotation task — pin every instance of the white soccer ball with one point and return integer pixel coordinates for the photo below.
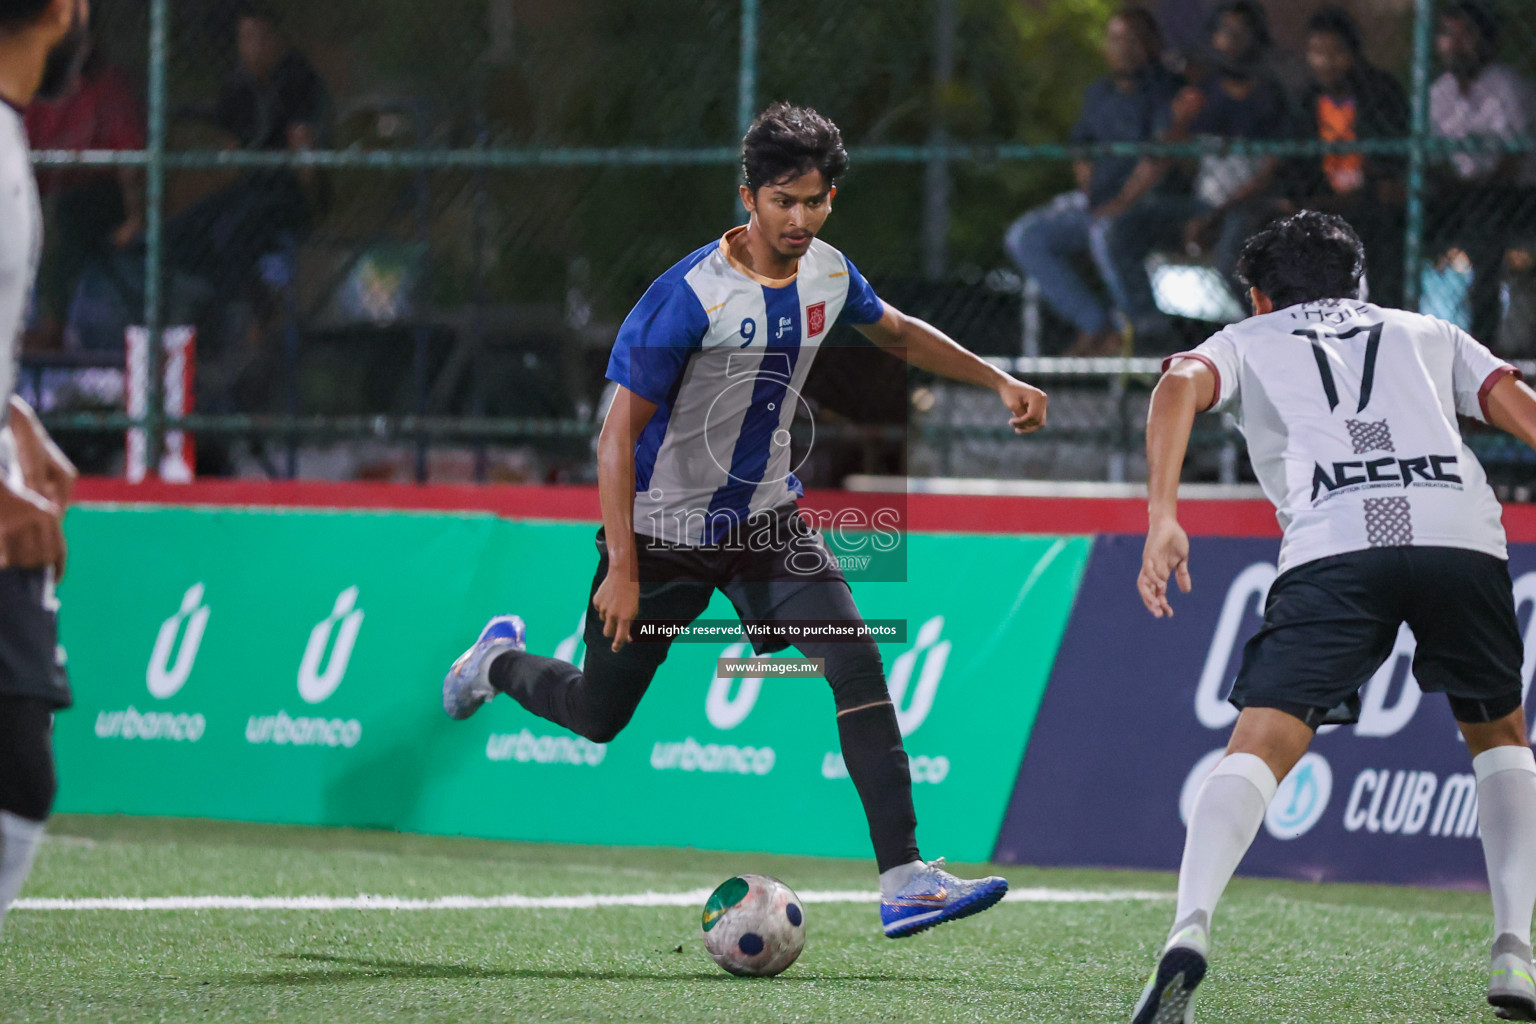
(754, 925)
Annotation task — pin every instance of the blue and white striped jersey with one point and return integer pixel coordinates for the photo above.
(723, 353)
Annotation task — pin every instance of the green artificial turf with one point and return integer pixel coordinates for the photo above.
(1284, 952)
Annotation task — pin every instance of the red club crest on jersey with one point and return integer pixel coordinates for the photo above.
(815, 319)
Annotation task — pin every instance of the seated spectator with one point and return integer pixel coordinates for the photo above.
(1349, 99)
(1234, 193)
(1130, 104)
(90, 211)
(276, 100)
(1483, 200)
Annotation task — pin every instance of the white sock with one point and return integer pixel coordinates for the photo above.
(19, 840)
(1227, 814)
(1506, 812)
(891, 881)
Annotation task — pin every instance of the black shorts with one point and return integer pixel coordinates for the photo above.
(1330, 624)
(760, 566)
(31, 663)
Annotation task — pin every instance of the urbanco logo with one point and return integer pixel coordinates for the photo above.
(315, 684)
(164, 678)
(913, 704)
(727, 711)
(573, 648)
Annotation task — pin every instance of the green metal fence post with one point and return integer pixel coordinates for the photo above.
(746, 96)
(938, 184)
(154, 239)
(1413, 243)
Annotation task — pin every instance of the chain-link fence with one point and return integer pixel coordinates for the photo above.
(405, 235)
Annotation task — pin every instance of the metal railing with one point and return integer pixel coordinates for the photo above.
(941, 152)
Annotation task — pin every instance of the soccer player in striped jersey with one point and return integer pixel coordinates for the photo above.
(698, 493)
(40, 43)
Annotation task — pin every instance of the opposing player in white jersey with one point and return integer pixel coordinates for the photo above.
(698, 493)
(1350, 414)
(40, 42)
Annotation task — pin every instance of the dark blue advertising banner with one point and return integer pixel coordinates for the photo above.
(1136, 715)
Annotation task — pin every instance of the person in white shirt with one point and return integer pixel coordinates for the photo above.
(1483, 200)
(1350, 414)
(40, 41)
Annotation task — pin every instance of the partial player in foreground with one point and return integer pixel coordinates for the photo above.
(1349, 411)
(698, 494)
(40, 42)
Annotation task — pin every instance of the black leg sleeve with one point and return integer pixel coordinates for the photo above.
(877, 763)
(866, 723)
(599, 702)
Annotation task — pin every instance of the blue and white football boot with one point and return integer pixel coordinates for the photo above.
(468, 683)
(933, 896)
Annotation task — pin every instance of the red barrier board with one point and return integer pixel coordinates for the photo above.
(928, 513)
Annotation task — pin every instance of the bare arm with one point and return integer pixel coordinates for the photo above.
(618, 597)
(926, 347)
(31, 520)
(1144, 178)
(1082, 173)
(1187, 388)
(131, 181)
(1512, 408)
(46, 468)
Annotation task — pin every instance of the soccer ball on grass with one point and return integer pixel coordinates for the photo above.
(754, 926)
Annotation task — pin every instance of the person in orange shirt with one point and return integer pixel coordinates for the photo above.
(1347, 100)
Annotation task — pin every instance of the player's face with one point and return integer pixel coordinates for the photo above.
(1123, 52)
(790, 213)
(1329, 58)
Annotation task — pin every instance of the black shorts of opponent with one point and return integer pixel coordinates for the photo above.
(31, 664)
(1331, 623)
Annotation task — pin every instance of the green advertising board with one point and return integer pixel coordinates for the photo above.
(285, 666)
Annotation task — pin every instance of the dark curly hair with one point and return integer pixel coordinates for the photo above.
(1482, 19)
(785, 142)
(1336, 21)
(1250, 11)
(20, 13)
(1305, 257)
(1144, 26)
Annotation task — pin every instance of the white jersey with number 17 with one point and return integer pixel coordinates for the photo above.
(1349, 410)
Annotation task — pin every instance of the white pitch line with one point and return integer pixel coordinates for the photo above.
(692, 898)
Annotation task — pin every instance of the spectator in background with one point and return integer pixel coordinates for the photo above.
(1234, 193)
(275, 101)
(1348, 99)
(89, 210)
(1130, 104)
(1483, 199)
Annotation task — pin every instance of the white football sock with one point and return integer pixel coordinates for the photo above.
(891, 881)
(19, 840)
(1506, 812)
(1227, 814)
